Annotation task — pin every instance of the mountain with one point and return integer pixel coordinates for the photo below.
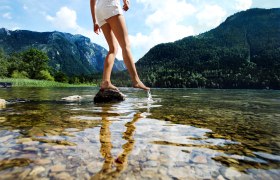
(243, 52)
(71, 54)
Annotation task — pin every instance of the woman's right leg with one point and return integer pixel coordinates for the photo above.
(118, 26)
(109, 61)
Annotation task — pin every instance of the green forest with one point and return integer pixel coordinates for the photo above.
(243, 52)
(34, 64)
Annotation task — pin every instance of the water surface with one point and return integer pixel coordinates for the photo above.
(180, 134)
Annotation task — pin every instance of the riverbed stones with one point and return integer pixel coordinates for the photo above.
(2, 103)
(108, 95)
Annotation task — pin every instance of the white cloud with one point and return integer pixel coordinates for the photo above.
(211, 16)
(166, 21)
(7, 16)
(64, 19)
(25, 7)
(243, 4)
(169, 11)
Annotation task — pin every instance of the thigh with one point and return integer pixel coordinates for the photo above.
(110, 37)
(118, 26)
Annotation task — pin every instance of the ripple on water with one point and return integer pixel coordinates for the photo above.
(119, 140)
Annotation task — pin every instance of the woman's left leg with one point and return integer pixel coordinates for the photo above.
(109, 61)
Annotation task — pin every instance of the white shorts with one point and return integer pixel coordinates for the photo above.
(105, 9)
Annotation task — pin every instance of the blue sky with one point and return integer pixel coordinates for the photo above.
(149, 22)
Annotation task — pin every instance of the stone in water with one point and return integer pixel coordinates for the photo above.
(2, 103)
(108, 95)
(72, 98)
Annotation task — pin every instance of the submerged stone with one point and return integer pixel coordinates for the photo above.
(72, 98)
(9, 163)
(2, 103)
(109, 95)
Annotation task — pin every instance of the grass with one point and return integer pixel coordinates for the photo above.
(41, 83)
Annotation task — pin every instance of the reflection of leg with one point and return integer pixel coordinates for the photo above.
(118, 26)
(106, 144)
(121, 161)
(109, 61)
(105, 139)
(105, 150)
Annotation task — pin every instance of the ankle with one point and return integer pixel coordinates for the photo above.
(105, 82)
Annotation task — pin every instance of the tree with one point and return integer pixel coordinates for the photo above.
(3, 64)
(35, 61)
(61, 77)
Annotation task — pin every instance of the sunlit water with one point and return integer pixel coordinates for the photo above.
(173, 134)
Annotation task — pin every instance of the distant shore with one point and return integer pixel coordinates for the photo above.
(41, 83)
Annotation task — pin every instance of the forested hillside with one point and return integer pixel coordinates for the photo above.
(70, 54)
(243, 52)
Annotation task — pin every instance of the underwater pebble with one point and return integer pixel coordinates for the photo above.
(63, 176)
(178, 172)
(58, 168)
(200, 159)
(24, 174)
(22, 140)
(2, 103)
(232, 173)
(5, 138)
(43, 161)
(220, 177)
(37, 170)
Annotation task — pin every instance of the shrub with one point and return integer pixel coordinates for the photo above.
(45, 75)
(19, 75)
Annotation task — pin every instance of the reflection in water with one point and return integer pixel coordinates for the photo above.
(112, 168)
(182, 134)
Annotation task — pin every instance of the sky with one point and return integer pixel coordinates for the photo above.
(149, 22)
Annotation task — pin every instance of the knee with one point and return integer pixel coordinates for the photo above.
(126, 47)
(113, 50)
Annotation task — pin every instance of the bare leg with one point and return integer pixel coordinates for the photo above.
(118, 26)
(109, 61)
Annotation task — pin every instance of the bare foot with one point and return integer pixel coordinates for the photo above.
(108, 85)
(140, 85)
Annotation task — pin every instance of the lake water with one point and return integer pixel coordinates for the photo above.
(179, 134)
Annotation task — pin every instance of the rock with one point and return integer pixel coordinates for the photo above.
(232, 173)
(108, 95)
(5, 84)
(23, 140)
(179, 173)
(72, 98)
(9, 163)
(3, 119)
(200, 159)
(2, 103)
(37, 170)
(58, 168)
(63, 176)
(6, 138)
(24, 174)
(43, 161)
(54, 141)
(220, 177)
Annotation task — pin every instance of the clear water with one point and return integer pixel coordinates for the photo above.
(172, 134)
